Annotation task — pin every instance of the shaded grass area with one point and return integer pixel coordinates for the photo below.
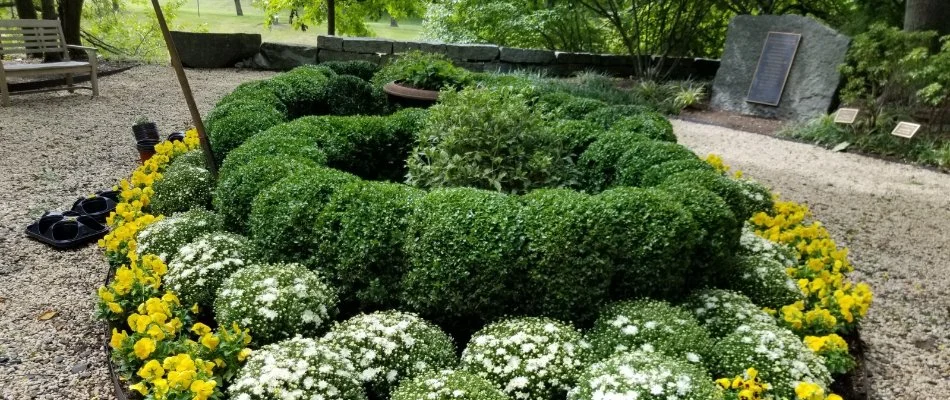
(219, 16)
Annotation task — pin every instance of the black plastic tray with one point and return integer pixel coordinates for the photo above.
(66, 230)
(98, 206)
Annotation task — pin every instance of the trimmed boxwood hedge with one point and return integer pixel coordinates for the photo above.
(280, 140)
(608, 116)
(657, 173)
(728, 189)
(719, 230)
(578, 135)
(358, 68)
(302, 90)
(237, 189)
(642, 155)
(350, 95)
(650, 124)
(282, 216)
(232, 123)
(262, 91)
(598, 163)
(464, 247)
(360, 236)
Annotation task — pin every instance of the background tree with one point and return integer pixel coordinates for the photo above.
(237, 8)
(928, 15)
(25, 9)
(346, 16)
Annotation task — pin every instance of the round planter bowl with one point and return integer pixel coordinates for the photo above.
(145, 131)
(410, 97)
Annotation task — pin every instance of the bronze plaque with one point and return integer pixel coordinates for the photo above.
(905, 129)
(846, 115)
(775, 63)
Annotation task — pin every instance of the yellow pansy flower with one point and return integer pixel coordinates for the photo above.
(809, 391)
(143, 348)
(210, 341)
(200, 329)
(243, 354)
(151, 370)
(117, 338)
(181, 379)
(202, 389)
(140, 387)
(156, 332)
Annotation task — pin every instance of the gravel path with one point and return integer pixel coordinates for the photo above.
(55, 147)
(896, 220)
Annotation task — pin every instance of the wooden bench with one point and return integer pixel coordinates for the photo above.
(37, 36)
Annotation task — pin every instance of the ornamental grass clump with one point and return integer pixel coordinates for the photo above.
(167, 236)
(282, 216)
(722, 311)
(182, 188)
(297, 368)
(645, 376)
(448, 385)
(649, 326)
(642, 155)
(275, 301)
(780, 357)
(360, 236)
(568, 268)
(237, 188)
(528, 358)
(387, 347)
(201, 266)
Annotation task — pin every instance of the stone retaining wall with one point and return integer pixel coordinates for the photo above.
(475, 57)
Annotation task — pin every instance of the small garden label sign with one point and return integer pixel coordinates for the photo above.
(905, 129)
(846, 115)
(775, 63)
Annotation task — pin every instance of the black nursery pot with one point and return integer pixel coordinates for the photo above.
(145, 131)
(146, 149)
(176, 137)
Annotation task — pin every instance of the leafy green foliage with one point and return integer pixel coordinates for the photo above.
(598, 163)
(649, 124)
(656, 174)
(280, 140)
(303, 90)
(429, 71)
(358, 68)
(182, 188)
(491, 139)
(349, 95)
(351, 15)
(126, 35)
(728, 189)
(764, 280)
(718, 234)
(232, 123)
(651, 326)
(578, 135)
(644, 154)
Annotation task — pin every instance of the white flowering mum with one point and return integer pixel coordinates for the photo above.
(529, 358)
(644, 376)
(275, 301)
(389, 346)
(649, 326)
(164, 238)
(764, 280)
(297, 369)
(448, 385)
(752, 244)
(780, 357)
(201, 266)
(722, 311)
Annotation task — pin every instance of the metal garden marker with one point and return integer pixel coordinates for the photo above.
(186, 90)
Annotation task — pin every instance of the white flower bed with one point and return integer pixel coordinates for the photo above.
(722, 311)
(390, 346)
(644, 376)
(448, 385)
(753, 244)
(649, 326)
(529, 358)
(275, 301)
(201, 266)
(297, 369)
(167, 236)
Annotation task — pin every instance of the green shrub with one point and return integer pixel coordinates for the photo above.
(751, 244)
(448, 385)
(264, 91)
(650, 124)
(606, 117)
(358, 68)
(490, 139)
(758, 198)
(282, 216)
(649, 238)
(349, 95)
(657, 173)
(646, 376)
(281, 140)
(237, 189)
(722, 311)
(304, 90)
(642, 155)
(726, 188)
(275, 301)
(390, 346)
(360, 235)
(569, 272)
(193, 158)
(266, 375)
(780, 357)
(649, 326)
(201, 266)
(528, 358)
(578, 108)
(167, 236)
(232, 123)
(598, 163)
(719, 230)
(551, 101)
(577, 135)
(182, 188)
(764, 280)
(463, 246)
(428, 71)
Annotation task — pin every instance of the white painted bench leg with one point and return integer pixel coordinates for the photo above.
(94, 81)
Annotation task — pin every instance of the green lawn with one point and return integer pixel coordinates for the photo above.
(219, 16)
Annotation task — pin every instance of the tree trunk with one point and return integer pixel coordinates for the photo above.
(393, 23)
(49, 12)
(70, 12)
(927, 15)
(25, 9)
(331, 17)
(115, 6)
(237, 6)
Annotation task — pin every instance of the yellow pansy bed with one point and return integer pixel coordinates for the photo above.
(159, 349)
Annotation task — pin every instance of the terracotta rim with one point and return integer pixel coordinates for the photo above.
(398, 90)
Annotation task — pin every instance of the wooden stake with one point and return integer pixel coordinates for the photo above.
(186, 90)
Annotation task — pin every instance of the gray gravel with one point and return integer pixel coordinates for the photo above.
(895, 218)
(55, 147)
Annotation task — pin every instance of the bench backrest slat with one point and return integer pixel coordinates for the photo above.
(23, 36)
